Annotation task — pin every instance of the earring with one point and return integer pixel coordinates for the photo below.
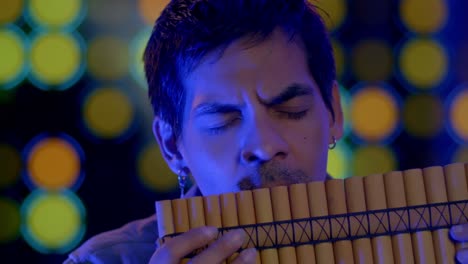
(333, 145)
(182, 180)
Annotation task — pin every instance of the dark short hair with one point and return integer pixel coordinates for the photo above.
(187, 30)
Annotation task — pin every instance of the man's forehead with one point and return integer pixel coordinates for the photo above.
(262, 70)
(247, 52)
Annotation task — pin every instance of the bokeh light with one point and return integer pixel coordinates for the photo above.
(340, 58)
(458, 114)
(423, 115)
(372, 60)
(374, 113)
(10, 165)
(101, 17)
(55, 13)
(424, 16)
(54, 222)
(334, 12)
(10, 10)
(339, 159)
(345, 106)
(373, 159)
(54, 163)
(460, 155)
(150, 9)
(56, 60)
(153, 171)
(108, 113)
(137, 50)
(423, 63)
(108, 58)
(10, 220)
(13, 53)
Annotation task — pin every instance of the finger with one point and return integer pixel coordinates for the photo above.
(462, 255)
(222, 248)
(178, 247)
(459, 233)
(248, 256)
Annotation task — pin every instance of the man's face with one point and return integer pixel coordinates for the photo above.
(255, 117)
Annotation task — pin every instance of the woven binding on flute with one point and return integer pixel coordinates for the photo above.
(399, 216)
(332, 228)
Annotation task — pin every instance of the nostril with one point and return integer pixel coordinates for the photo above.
(252, 158)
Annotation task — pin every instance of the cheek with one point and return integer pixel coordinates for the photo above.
(310, 140)
(207, 156)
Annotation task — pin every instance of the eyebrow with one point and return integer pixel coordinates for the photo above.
(294, 90)
(215, 108)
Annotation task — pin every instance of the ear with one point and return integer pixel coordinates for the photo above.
(167, 141)
(336, 126)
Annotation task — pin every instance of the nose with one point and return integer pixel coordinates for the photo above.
(263, 142)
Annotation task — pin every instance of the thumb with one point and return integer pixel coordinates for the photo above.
(459, 233)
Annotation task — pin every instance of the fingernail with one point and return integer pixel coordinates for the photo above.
(250, 254)
(462, 256)
(210, 231)
(457, 230)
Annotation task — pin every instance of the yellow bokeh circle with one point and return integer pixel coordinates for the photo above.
(153, 171)
(339, 159)
(374, 113)
(108, 113)
(56, 59)
(55, 13)
(424, 16)
(150, 10)
(54, 222)
(423, 115)
(333, 12)
(108, 58)
(53, 163)
(423, 63)
(458, 114)
(373, 159)
(13, 54)
(372, 60)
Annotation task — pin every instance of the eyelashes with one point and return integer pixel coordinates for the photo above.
(232, 122)
(295, 115)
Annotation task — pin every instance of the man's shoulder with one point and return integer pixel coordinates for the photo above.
(134, 242)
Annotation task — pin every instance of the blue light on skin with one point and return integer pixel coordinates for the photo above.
(254, 117)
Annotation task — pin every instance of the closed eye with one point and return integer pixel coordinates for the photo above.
(223, 127)
(294, 115)
(219, 124)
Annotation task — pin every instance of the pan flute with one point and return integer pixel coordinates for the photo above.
(395, 217)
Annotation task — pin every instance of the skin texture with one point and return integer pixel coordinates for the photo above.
(236, 136)
(254, 117)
